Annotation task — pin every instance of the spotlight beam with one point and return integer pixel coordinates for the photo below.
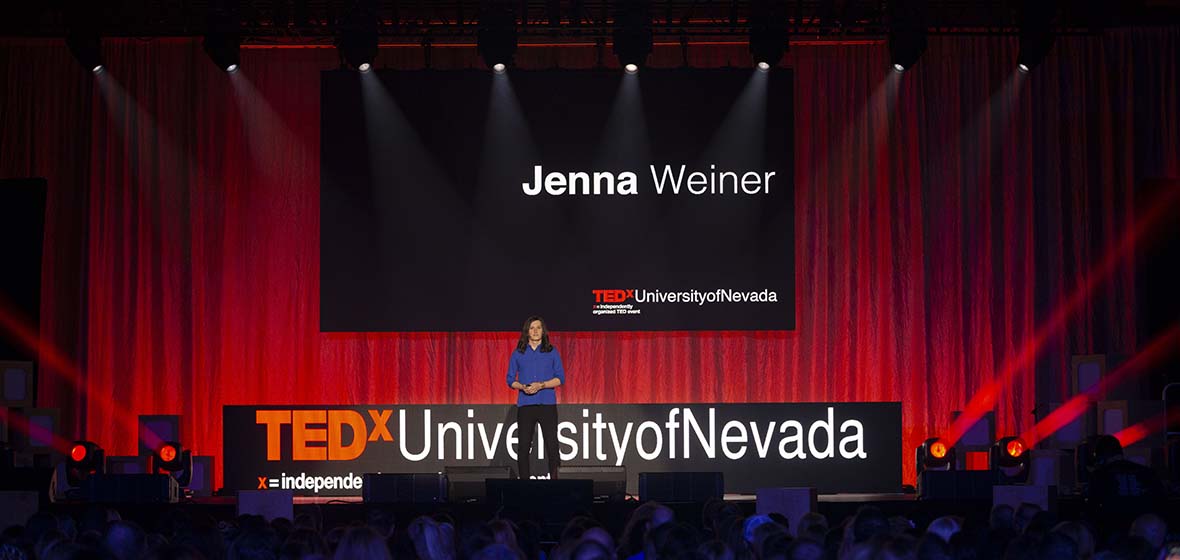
(1066, 413)
(985, 399)
(58, 365)
(1135, 433)
(19, 422)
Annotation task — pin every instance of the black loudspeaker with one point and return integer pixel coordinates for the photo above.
(466, 484)
(131, 489)
(609, 482)
(681, 486)
(552, 501)
(956, 485)
(404, 488)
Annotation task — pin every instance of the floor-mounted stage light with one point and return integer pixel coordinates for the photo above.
(768, 33)
(172, 458)
(86, 459)
(632, 34)
(357, 36)
(497, 35)
(935, 455)
(907, 33)
(223, 40)
(1036, 36)
(1010, 457)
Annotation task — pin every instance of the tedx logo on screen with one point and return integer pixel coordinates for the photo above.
(612, 296)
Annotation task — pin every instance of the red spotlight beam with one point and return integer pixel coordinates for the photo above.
(985, 399)
(1157, 423)
(63, 367)
(1160, 347)
(21, 423)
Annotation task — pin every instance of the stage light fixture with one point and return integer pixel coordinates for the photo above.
(935, 455)
(496, 40)
(1010, 457)
(86, 458)
(1036, 36)
(87, 50)
(632, 34)
(907, 33)
(171, 457)
(357, 37)
(768, 32)
(364, 67)
(223, 40)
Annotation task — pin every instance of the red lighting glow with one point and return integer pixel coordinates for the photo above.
(78, 453)
(1133, 434)
(985, 399)
(167, 453)
(938, 450)
(1015, 448)
(1076, 406)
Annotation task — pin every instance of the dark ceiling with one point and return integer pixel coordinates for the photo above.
(413, 21)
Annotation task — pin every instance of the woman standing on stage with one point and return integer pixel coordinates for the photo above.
(534, 371)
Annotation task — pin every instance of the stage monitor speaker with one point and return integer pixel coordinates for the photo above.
(131, 489)
(155, 429)
(16, 386)
(270, 504)
(671, 487)
(1116, 416)
(404, 488)
(554, 502)
(201, 483)
(466, 484)
(792, 503)
(610, 483)
(956, 485)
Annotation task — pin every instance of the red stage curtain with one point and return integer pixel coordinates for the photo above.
(941, 216)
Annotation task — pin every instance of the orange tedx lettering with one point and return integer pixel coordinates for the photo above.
(301, 435)
(380, 425)
(612, 296)
(336, 421)
(273, 419)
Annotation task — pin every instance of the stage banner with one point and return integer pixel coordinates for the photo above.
(324, 450)
(467, 201)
